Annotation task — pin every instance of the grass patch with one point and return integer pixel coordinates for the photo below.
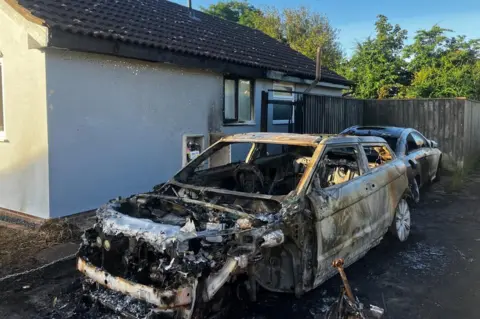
(19, 247)
(59, 231)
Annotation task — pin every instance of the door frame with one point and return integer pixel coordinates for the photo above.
(364, 174)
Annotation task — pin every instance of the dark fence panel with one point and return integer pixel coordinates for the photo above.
(472, 130)
(327, 114)
(442, 120)
(453, 123)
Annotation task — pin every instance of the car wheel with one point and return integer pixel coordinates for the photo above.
(415, 191)
(438, 173)
(401, 222)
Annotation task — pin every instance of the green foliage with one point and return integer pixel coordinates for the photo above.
(443, 66)
(305, 31)
(300, 28)
(236, 11)
(377, 66)
(434, 65)
(269, 21)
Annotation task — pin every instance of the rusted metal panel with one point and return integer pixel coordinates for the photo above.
(274, 138)
(160, 246)
(364, 213)
(163, 299)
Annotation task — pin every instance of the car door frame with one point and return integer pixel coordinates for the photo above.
(417, 159)
(385, 201)
(324, 216)
(433, 156)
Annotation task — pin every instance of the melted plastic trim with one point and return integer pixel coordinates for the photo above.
(166, 299)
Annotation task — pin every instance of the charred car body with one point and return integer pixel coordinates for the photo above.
(422, 156)
(276, 219)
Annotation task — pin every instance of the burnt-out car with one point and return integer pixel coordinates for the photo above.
(276, 219)
(422, 156)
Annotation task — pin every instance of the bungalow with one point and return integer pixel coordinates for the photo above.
(101, 98)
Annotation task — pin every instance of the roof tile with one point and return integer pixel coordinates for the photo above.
(167, 25)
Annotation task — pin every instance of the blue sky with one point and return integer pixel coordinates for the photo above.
(355, 18)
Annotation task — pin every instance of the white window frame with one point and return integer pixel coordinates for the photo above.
(233, 122)
(2, 78)
(282, 84)
(286, 98)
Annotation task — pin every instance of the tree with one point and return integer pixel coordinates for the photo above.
(305, 31)
(443, 66)
(300, 28)
(236, 11)
(377, 66)
(269, 21)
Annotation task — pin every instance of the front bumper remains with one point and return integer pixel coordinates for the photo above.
(166, 299)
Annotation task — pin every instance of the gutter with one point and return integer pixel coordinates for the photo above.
(60, 38)
(318, 71)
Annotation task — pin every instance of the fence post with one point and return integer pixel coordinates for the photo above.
(298, 111)
(264, 112)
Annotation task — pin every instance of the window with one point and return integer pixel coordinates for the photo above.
(415, 141)
(238, 101)
(283, 113)
(286, 87)
(392, 142)
(419, 140)
(249, 169)
(338, 165)
(411, 145)
(377, 155)
(2, 105)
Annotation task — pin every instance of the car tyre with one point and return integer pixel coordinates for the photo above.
(439, 171)
(400, 227)
(415, 191)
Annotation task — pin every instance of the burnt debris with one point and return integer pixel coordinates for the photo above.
(170, 243)
(272, 220)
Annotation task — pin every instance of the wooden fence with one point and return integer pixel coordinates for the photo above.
(327, 114)
(453, 123)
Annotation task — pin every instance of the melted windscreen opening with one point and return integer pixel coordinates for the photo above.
(262, 168)
(377, 155)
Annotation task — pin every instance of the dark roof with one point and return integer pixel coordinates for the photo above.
(160, 24)
(391, 131)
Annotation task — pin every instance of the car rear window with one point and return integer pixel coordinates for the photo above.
(392, 142)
